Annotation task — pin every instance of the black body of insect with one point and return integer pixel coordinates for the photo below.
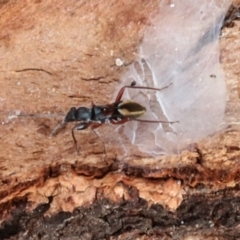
(119, 112)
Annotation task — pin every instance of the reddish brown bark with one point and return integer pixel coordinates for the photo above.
(60, 54)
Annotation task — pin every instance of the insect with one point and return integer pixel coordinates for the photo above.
(119, 112)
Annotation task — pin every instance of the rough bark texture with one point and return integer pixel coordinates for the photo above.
(58, 54)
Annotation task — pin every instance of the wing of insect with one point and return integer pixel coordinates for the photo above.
(119, 112)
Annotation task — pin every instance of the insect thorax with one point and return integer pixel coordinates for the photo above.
(83, 114)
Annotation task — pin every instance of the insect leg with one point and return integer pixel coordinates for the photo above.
(80, 126)
(119, 122)
(93, 127)
(120, 93)
(60, 125)
(152, 121)
(150, 88)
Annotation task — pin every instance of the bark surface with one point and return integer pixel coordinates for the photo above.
(59, 54)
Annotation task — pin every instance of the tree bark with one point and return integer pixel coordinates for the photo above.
(59, 54)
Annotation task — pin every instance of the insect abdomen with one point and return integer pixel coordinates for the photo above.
(131, 109)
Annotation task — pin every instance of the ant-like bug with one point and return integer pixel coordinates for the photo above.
(119, 112)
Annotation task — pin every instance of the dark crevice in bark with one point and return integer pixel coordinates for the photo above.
(104, 218)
